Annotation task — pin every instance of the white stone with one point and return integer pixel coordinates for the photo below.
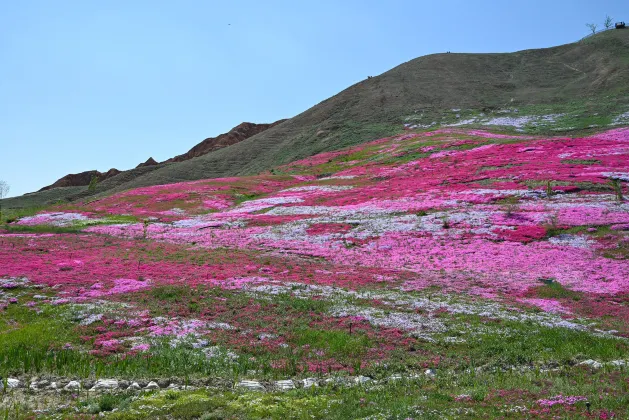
(134, 387)
(250, 385)
(361, 379)
(430, 373)
(72, 386)
(285, 384)
(12, 383)
(173, 386)
(591, 363)
(335, 380)
(395, 377)
(310, 382)
(105, 384)
(152, 385)
(618, 363)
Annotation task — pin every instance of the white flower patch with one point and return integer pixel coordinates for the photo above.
(264, 203)
(462, 122)
(162, 326)
(56, 219)
(337, 177)
(480, 221)
(319, 188)
(13, 282)
(576, 241)
(418, 325)
(174, 212)
(604, 201)
(203, 221)
(621, 119)
(616, 175)
(405, 301)
(90, 319)
(339, 213)
(519, 193)
(372, 222)
(522, 122)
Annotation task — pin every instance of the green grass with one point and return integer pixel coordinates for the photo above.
(339, 344)
(505, 344)
(12, 214)
(12, 228)
(581, 161)
(555, 290)
(31, 342)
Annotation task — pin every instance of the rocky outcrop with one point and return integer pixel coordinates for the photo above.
(81, 179)
(149, 162)
(235, 135)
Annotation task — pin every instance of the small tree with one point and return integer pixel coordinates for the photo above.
(617, 187)
(93, 182)
(549, 189)
(608, 23)
(146, 223)
(4, 191)
(592, 27)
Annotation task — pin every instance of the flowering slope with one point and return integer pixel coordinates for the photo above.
(391, 253)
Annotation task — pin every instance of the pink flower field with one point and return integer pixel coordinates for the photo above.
(414, 253)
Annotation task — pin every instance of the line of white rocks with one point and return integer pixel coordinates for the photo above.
(104, 385)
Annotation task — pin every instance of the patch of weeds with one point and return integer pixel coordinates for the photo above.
(170, 293)
(287, 301)
(335, 343)
(581, 162)
(109, 402)
(555, 290)
(13, 228)
(511, 204)
(621, 252)
(31, 341)
(242, 197)
(507, 344)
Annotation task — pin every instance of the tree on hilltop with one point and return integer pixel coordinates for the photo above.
(4, 191)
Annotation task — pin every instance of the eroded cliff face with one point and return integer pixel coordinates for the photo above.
(235, 135)
(82, 178)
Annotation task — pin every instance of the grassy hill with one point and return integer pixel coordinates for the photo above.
(577, 86)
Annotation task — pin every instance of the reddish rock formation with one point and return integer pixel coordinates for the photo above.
(235, 135)
(82, 178)
(149, 162)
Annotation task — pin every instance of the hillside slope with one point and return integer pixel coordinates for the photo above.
(574, 86)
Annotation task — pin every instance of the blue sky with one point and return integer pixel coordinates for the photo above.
(91, 84)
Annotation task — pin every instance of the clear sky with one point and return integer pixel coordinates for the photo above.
(89, 84)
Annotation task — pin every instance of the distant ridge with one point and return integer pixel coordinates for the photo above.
(82, 178)
(239, 133)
